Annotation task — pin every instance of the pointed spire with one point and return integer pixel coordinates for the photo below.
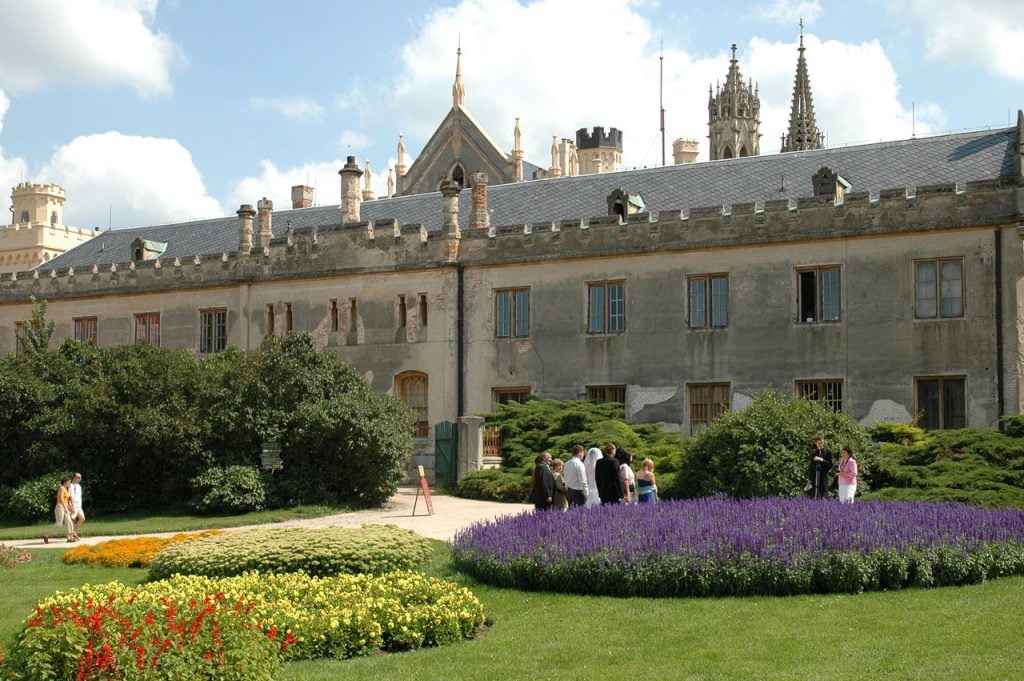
(517, 136)
(367, 183)
(517, 153)
(391, 182)
(734, 111)
(458, 89)
(803, 128)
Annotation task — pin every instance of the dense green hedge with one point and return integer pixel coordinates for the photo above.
(33, 499)
(228, 490)
(141, 422)
(322, 552)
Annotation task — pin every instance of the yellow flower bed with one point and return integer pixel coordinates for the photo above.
(340, 616)
(132, 552)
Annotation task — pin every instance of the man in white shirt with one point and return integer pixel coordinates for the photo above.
(77, 514)
(575, 476)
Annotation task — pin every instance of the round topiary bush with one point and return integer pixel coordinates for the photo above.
(228, 489)
(329, 551)
(723, 547)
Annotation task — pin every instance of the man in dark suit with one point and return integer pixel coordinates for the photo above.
(818, 469)
(606, 473)
(543, 483)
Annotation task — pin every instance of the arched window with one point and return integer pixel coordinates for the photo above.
(743, 152)
(138, 254)
(727, 152)
(411, 388)
(459, 176)
(619, 210)
(53, 218)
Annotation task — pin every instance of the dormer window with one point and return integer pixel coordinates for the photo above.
(143, 249)
(459, 176)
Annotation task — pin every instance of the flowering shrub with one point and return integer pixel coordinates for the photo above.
(717, 546)
(328, 551)
(111, 633)
(202, 627)
(131, 552)
(10, 556)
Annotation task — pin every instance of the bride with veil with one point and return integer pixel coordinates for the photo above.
(589, 465)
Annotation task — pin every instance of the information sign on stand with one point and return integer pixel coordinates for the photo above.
(425, 488)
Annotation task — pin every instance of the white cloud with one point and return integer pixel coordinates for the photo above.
(987, 33)
(292, 108)
(12, 170)
(789, 11)
(100, 42)
(276, 183)
(140, 180)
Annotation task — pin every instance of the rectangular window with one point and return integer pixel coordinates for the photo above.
(423, 309)
(147, 328)
(704, 307)
(607, 393)
(87, 329)
(818, 294)
(708, 401)
(270, 319)
(942, 402)
(287, 317)
(402, 312)
(506, 395)
(353, 315)
(213, 330)
(512, 313)
(828, 391)
(334, 314)
(606, 307)
(939, 288)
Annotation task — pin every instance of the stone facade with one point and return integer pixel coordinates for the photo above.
(37, 232)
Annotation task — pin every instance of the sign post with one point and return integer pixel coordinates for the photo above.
(425, 488)
(270, 456)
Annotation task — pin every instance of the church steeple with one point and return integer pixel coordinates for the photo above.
(733, 112)
(458, 89)
(803, 129)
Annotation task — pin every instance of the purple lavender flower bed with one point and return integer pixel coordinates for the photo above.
(721, 546)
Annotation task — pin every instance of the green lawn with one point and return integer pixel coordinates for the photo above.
(141, 523)
(971, 632)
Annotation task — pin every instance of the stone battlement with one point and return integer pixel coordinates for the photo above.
(386, 245)
(587, 140)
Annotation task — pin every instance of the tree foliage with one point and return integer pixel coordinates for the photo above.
(35, 333)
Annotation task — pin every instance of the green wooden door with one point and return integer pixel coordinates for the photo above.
(446, 449)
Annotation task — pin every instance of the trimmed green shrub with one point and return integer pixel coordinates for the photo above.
(1013, 425)
(764, 449)
(495, 484)
(329, 551)
(34, 500)
(228, 490)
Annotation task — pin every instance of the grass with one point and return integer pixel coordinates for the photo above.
(952, 633)
(141, 523)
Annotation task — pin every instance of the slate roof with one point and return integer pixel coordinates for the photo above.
(960, 157)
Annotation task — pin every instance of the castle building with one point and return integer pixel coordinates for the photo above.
(37, 231)
(882, 279)
(733, 111)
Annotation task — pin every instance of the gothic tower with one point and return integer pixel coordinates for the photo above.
(803, 129)
(733, 112)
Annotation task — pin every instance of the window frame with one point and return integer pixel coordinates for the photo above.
(822, 388)
(715, 410)
(937, 301)
(218, 341)
(606, 393)
(608, 313)
(943, 417)
(511, 321)
(510, 394)
(819, 294)
(147, 318)
(76, 326)
(708, 311)
(403, 381)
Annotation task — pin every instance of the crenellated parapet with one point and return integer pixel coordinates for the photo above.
(386, 245)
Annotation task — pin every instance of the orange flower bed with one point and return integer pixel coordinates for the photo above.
(132, 552)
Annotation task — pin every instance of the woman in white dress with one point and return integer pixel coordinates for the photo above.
(589, 464)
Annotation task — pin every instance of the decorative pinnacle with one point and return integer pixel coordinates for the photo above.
(458, 89)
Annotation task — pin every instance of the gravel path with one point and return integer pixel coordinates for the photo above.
(451, 514)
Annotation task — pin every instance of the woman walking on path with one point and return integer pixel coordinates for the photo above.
(61, 512)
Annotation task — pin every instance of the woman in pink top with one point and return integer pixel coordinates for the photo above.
(847, 477)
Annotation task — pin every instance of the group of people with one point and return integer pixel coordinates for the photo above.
(821, 466)
(592, 477)
(67, 511)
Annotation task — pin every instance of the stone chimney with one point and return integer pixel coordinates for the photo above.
(684, 151)
(302, 196)
(350, 196)
(245, 216)
(265, 210)
(480, 218)
(450, 192)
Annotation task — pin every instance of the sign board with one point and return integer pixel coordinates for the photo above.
(425, 488)
(270, 456)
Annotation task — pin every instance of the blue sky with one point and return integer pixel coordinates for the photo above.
(152, 111)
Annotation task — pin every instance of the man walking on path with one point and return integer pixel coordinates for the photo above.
(77, 514)
(607, 474)
(543, 491)
(817, 471)
(575, 476)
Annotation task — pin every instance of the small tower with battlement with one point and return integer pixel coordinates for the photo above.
(598, 151)
(37, 232)
(37, 204)
(733, 116)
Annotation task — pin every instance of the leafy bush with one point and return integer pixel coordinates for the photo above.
(764, 449)
(127, 553)
(108, 632)
(328, 551)
(34, 499)
(897, 433)
(535, 426)
(720, 546)
(228, 490)
(1013, 425)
